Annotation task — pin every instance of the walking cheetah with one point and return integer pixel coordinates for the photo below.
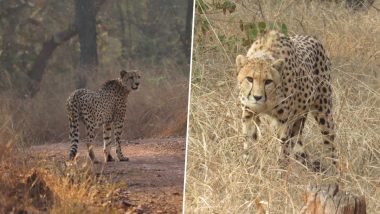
(107, 107)
(287, 78)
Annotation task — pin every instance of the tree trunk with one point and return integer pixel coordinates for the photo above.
(188, 30)
(9, 52)
(125, 46)
(11, 18)
(86, 25)
(327, 199)
(37, 70)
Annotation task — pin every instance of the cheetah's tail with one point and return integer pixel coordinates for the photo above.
(73, 114)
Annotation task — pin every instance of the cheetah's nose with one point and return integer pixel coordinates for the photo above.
(257, 98)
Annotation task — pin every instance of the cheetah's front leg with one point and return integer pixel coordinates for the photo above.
(284, 136)
(118, 130)
(250, 122)
(290, 134)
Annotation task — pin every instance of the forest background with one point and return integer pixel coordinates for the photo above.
(50, 48)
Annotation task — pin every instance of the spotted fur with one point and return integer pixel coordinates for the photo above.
(287, 78)
(106, 107)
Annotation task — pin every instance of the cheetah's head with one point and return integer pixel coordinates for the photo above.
(258, 80)
(130, 79)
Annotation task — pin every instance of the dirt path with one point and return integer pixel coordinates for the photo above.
(154, 173)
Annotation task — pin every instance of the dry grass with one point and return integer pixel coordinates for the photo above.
(219, 179)
(27, 184)
(34, 184)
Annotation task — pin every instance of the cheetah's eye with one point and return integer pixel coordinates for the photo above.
(267, 82)
(250, 79)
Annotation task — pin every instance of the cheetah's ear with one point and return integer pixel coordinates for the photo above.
(240, 62)
(122, 73)
(278, 65)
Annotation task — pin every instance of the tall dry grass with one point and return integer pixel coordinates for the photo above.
(219, 179)
(40, 186)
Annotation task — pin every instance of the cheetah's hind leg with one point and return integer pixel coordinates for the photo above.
(107, 134)
(90, 133)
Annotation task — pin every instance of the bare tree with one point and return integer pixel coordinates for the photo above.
(85, 24)
(38, 68)
(188, 29)
(124, 13)
(185, 32)
(11, 13)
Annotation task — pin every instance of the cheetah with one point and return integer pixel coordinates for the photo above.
(287, 78)
(105, 106)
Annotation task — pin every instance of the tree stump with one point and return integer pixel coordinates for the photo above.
(327, 199)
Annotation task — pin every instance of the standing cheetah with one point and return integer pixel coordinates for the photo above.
(287, 78)
(107, 107)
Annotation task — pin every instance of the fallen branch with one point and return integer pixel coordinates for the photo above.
(327, 199)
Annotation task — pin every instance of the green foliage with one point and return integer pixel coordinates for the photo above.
(253, 30)
(196, 76)
(204, 26)
(284, 29)
(231, 43)
(226, 6)
(201, 6)
(262, 26)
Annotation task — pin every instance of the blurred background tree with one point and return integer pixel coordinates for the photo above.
(143, 32)
(85, 24)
